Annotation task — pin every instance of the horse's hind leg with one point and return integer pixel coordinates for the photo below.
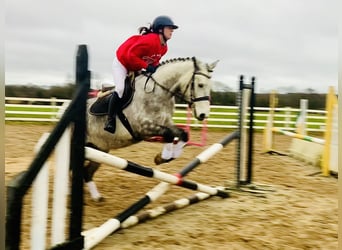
(89, 171)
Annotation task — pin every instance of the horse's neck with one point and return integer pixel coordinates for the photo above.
(173, 74)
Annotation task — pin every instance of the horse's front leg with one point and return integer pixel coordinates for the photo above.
(175, 139)
(172, 132)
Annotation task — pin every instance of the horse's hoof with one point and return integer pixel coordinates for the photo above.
(159, 160)
(99, 199)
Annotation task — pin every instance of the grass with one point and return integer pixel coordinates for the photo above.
(31, 112)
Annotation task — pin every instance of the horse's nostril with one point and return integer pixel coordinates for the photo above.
(201, 117)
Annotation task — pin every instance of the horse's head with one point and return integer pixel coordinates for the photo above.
(188, 79)
(200, 87)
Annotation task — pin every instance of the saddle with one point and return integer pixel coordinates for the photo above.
(100, 106)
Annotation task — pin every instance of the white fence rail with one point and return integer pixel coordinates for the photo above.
(224, 117)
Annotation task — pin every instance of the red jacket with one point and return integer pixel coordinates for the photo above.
(140, 50)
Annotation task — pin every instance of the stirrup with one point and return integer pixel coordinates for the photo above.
(110, 127)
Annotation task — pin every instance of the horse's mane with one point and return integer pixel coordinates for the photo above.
(179, 59)
(182, 59)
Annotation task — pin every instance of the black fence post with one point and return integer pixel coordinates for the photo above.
(77, 147)
(251, 133)
(13, 213)
(239, 98)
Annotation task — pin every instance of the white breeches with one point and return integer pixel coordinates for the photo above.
(119, 75)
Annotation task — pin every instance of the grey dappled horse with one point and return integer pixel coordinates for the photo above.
(151, 109)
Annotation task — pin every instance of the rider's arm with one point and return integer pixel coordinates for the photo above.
(146, 50)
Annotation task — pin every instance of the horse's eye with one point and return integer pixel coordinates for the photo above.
(200, 85)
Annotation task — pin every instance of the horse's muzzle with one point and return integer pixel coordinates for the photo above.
(201, 110)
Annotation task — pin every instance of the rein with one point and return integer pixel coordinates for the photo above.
(191, 83)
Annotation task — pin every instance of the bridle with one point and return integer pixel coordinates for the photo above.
(190, 84)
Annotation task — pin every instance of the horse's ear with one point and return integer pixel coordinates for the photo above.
(211, 66)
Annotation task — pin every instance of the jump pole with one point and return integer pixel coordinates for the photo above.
(40, 198)
(120, 163)
(96, 235)
(158, 211)
(59, 200)
(299, 136)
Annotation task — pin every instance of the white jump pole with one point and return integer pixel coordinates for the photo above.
(40, 195)
(243, 134)
(301, 120)
(60, 189)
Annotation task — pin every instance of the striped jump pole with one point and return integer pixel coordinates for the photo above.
(208, 153)
(299, 136)
(158, 211)
(96, 235)
(111, 160)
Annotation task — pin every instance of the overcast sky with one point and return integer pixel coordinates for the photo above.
(284, 43)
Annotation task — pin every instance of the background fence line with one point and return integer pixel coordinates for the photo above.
(221, 117)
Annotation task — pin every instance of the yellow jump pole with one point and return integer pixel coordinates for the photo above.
(331, 106)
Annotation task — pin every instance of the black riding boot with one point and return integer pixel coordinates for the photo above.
(113, 108)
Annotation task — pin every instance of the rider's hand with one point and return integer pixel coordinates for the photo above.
(151, 69)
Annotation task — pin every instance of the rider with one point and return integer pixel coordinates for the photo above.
(142, 51)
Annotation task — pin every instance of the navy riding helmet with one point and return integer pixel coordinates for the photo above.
(162, 21)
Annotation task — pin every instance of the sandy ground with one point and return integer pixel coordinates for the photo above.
(301, 212)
